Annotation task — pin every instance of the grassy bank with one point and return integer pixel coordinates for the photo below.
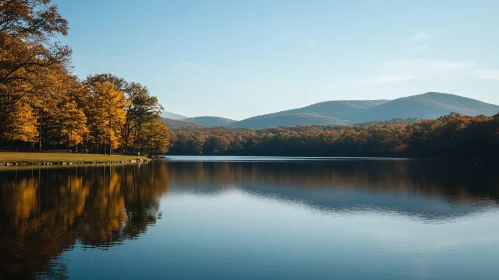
(17, 158)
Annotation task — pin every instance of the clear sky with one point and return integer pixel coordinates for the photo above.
(236, 59)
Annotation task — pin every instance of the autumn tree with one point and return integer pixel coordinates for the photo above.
(26, 46)
(36, 19)
(60, 88)
(27, 49)
(71, 123)
(22, 124)
(40, 99)
(216, 144)
(142, 109)
(156, 138)
(105, 113)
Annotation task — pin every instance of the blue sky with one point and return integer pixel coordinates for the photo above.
(238, 59)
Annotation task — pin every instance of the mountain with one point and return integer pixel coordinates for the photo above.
(170, 115)
(290, 119)
(210, 121)
(173, 123)
(196, 122)
(323, 113)
(429, 105)
(337, 108)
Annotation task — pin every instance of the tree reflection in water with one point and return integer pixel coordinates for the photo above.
(45, 211)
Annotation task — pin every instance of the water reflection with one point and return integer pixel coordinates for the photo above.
(47, 210)
(431, 190)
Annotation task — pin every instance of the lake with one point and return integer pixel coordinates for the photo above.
(252, 218)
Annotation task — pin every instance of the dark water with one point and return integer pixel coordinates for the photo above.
(234, 218)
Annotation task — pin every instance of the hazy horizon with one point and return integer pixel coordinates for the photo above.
(238, 59)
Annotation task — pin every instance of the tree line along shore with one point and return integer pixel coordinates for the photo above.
(44, 106)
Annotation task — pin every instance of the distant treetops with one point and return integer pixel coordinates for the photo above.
(42, 105)
(453, 135)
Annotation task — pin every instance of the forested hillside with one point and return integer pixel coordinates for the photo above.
(430, 105)
(452, 135)
(329, 112)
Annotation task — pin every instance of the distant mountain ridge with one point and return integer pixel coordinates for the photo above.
(430, 105)
(173, 123)
(210, 121)
(173, 116)
(196, 122)
(328, 112)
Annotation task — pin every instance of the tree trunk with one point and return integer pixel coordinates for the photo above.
(40, 134)
(69, 140)
(110, 139)
(47, 134)
(125, 148)
(136, 137)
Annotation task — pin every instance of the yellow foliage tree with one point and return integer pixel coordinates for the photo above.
(106, 113)
(22, 124)
(72, 124)
(156, 138)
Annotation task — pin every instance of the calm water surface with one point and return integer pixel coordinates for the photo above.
(252, 218)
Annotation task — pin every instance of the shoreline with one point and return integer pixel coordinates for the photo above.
(38, 159)
(47, 163)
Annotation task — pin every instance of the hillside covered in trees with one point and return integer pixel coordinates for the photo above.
(452, 135)
(44, 106)
(430, 105)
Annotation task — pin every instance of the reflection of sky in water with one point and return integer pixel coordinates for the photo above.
(433, 208)
(350, 219)
(234, 234)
